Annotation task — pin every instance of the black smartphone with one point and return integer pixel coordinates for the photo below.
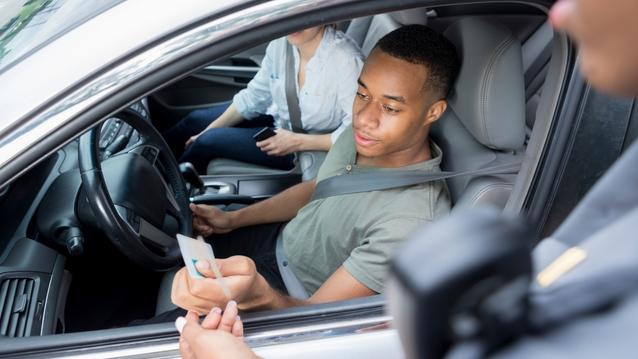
(263, 134)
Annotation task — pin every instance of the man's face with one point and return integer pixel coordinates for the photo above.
(606, 32)
(390, 112)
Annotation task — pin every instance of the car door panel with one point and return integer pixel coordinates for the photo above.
(218, 82)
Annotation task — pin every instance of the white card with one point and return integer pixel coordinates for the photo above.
(194, 250)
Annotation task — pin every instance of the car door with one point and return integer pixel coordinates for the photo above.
(215, 83)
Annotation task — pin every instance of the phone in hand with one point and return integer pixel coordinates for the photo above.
(263, 134)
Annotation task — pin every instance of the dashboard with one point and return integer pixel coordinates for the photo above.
(37, 209)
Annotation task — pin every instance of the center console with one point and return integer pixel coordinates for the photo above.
(243, 189)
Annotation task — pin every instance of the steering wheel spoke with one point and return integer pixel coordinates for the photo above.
(155, 236)
(148, 232)
(148, 151)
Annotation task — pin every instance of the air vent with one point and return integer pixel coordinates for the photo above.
(16, 300)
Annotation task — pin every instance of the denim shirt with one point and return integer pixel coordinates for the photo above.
(327, 95)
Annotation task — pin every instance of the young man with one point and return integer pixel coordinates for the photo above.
(339, 247)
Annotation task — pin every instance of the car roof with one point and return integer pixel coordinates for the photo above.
(51, 65)
(28, 25)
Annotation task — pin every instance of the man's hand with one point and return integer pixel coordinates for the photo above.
(218, 335)
(210, 219)
(283, 143)
(247, 287)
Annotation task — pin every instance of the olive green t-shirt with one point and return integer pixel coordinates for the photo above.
(361, 230)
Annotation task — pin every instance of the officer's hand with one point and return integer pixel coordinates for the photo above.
(217, 336)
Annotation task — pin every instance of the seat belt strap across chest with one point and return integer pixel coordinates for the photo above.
(291, 92)
(367, 182)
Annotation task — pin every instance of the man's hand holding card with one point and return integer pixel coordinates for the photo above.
(196, 287)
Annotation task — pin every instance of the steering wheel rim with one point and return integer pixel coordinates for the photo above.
(119, 230)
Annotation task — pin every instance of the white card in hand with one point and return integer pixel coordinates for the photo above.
(193, 251)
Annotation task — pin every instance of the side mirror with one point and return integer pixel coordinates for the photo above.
(463, 279)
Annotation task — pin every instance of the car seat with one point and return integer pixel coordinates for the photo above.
(485, 121)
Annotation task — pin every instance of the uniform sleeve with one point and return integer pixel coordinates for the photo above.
(369, 262)
(347, 89)
(255, 99)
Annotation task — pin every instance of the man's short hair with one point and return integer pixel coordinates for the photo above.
(418, 44)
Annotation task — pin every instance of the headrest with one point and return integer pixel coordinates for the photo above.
(489, 94)
(411, 16)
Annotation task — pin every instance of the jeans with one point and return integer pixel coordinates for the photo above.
(234, 143)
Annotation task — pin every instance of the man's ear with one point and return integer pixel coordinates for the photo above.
(435, 112)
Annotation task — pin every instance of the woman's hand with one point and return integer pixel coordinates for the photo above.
(192, 139)
(283, 143)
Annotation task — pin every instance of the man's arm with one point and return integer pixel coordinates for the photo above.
(279, 208)
(340, 286)
(251, 290)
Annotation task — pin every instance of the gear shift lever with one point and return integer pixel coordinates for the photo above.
(190, 174)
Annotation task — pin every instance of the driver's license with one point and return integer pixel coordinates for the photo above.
(194, 250)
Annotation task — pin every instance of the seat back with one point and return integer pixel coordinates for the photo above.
(366, 31)
(485, 121)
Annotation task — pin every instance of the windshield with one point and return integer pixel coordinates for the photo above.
(26, 25)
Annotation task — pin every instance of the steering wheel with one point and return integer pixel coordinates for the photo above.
(138, 196)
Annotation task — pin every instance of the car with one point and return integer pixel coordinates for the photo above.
(85, 87)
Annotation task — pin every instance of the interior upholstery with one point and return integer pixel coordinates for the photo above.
(366, 31)
(225, 166)
(485, 122)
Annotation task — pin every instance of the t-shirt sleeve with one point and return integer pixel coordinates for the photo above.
(369, 262)
(336, 157)
(255, 99)
(347, 89)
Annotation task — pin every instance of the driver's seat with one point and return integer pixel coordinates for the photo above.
(164, 303)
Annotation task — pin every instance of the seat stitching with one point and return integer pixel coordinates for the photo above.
(487, 81)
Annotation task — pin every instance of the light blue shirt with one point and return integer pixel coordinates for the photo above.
(328, 92)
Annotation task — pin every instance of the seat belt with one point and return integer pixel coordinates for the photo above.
(309, 161)
(291, 92)
(366, 182)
